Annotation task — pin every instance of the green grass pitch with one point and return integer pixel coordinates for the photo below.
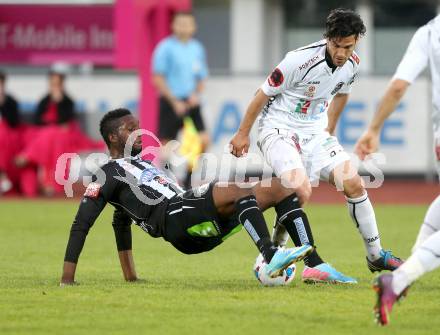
(211, 293)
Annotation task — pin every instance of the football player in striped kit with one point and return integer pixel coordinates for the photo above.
(193, 221)
(422, 51)
(300, 103)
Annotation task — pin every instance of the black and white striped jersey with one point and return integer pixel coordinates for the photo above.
(139, 192)
(134, 186)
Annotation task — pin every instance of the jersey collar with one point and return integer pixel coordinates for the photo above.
(329, 61)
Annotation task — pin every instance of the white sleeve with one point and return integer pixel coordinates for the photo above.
(416, 56)
(346, 89)
(280, 78)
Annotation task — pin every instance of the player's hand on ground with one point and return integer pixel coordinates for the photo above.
(180, 108)
(240, 144)
(137, 281)
(367, 144)
(68, 283)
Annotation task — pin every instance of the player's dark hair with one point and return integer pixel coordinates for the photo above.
(109, 123)
(342, 22)
(2, 76)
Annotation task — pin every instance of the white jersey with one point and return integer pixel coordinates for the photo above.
(301, 88)
(424, 49)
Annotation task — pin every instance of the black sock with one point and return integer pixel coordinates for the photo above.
(187, 180)
(291, 215)
(251, 217)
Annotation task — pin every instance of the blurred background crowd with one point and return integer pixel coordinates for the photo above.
(65, 63)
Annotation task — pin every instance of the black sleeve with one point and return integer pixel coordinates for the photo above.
(9, 111)
(41, 108)
(93, 202)
(66, 111)
(122, 227)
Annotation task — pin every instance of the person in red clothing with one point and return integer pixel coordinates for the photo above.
(57, 131)
(12, 130)
(56, 107)
(9, 146)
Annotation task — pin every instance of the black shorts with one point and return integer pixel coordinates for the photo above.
(170, 123)
(192, 224)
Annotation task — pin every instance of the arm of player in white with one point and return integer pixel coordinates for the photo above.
(280, 78)
(334, 111)
(240, 142)
(413, 63)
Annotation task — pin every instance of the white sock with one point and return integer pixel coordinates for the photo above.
(362, 214)
(431, 223)
(425, 259)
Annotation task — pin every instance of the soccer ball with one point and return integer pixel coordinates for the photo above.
(260, 272)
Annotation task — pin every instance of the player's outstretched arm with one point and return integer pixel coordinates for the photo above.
(122, 228)
(369, 141)
(68, 277)
(334, 111)
(127, 265)
(240, 142)
(89, 209)
(77, 238)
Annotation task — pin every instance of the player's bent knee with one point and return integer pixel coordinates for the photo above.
(304, 193)
(238, 192)
(353, 187)
(303, 190)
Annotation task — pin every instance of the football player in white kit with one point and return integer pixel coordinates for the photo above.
(294, 135)
(423, 50)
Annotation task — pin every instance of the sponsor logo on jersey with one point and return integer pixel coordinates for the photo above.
(161, 180)
(308, 63)
(310, 92)
(351, 81)
(269, 103)
(92, 190)
(302, 106)
(337, 87)
(313, 83)
(276, 78)
(148, 175)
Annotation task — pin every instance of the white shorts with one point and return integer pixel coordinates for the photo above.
(286, 150)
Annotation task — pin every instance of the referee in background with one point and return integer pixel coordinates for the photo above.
(179, 73)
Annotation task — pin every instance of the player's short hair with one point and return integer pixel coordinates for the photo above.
(109, 122)
(342, 22)
(2, 76)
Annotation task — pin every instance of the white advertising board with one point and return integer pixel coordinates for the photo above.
(405, 141)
